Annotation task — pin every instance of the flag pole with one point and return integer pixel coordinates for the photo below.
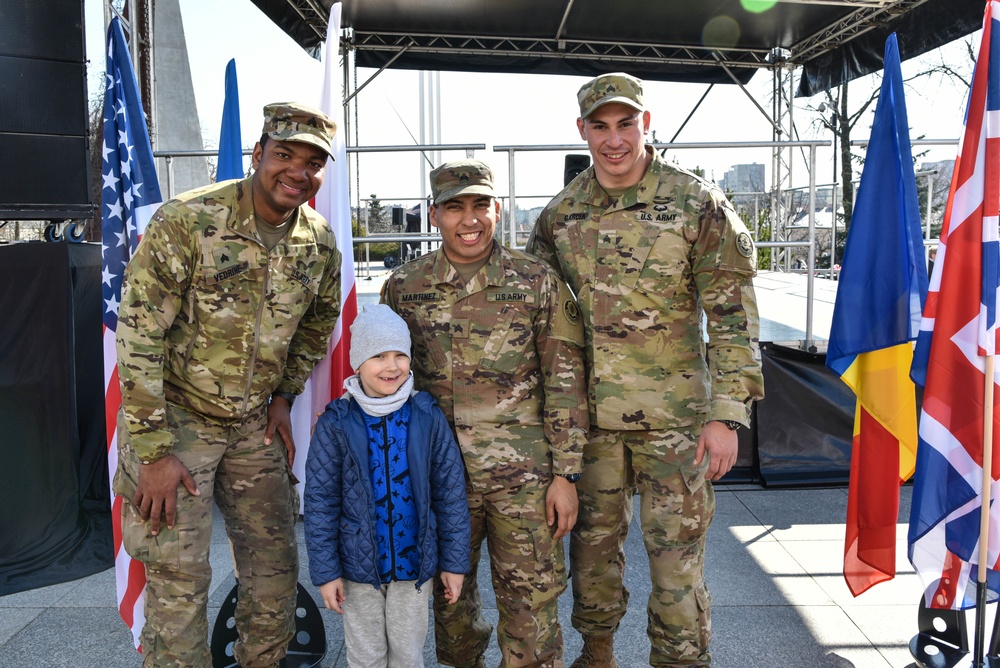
(984, 515)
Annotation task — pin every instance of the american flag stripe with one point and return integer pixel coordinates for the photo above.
(958, 330)
(129, 196)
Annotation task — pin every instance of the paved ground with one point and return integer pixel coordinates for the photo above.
(774, 561)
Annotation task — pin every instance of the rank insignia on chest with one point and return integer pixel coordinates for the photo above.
(225, 256)
(420, 297)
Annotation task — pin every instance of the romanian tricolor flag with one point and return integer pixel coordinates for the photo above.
(883, 281)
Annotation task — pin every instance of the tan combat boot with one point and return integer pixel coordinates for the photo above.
(596, 653)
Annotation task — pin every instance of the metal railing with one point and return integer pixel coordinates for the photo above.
(513, 150)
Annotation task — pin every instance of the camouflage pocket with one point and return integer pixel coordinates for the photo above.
(694, 474)
(660, 277)
(219, 295)
(162, 549)
(431, 344)
(550, 568)
(506, 344)
(296, 283)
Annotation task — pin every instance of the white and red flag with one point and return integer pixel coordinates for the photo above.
(334, 202)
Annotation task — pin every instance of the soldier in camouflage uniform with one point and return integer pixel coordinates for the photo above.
(227, 304)
(648, 248)
(497, 340)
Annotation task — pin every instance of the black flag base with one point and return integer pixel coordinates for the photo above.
(308, 645)
(942, 639)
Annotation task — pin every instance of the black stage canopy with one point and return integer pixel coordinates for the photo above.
(706, 41)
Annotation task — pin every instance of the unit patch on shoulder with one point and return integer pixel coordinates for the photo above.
(572, 311)
(744, 244)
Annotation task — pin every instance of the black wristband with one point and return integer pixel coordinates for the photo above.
(570, 477)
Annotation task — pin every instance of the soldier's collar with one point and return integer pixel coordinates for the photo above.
(494, 271)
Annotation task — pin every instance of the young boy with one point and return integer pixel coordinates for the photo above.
(385, 501)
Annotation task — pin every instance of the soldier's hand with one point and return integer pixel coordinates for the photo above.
(452, 586)
(561, 506)
(156, 493)
(279, 419)
(720, 443)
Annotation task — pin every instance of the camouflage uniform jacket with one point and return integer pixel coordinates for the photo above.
(211, 321)
(644, 266)
(503, 357)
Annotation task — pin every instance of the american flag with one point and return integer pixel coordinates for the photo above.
(129, 197)
(333, 202)
(958, 331)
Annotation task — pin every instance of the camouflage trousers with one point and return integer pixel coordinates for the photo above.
(252, 485)
(528, 573)
(677, 505)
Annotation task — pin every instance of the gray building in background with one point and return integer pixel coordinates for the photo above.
(937, 176)
(744, 178)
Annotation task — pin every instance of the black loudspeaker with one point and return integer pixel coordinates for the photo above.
(398, 217)
(575, 164)
(43, 111)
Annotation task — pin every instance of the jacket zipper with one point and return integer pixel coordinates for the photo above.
(256, 334)
(388, 499)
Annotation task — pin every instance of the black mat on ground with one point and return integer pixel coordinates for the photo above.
(55, 518)
(805, 421)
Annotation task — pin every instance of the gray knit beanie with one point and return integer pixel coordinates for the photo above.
(377, 329)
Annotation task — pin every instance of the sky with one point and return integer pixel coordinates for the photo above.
(493, 109)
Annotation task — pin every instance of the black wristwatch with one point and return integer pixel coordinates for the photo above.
(570, 477)
(287, 396)
(733, 425)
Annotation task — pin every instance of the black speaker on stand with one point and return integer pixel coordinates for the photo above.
(43, 111)
(575, 163)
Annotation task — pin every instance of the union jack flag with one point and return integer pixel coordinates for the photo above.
(958, 331)
(129, 197)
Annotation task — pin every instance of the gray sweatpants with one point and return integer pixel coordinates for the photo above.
(386, 627)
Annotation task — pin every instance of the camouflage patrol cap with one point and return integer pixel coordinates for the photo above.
(607, 88)
(291, 121)
(461, 177)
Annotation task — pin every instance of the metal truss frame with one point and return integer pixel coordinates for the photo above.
(563, 49)
(865, 15)
(857, 23)
(137, 21)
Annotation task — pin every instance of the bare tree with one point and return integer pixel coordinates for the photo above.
(959, 72)
(834, 114)
(841, 122)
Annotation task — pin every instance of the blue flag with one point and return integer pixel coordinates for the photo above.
(884, 278)
(230, 144)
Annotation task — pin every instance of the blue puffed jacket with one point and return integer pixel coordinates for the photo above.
(339, 500)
